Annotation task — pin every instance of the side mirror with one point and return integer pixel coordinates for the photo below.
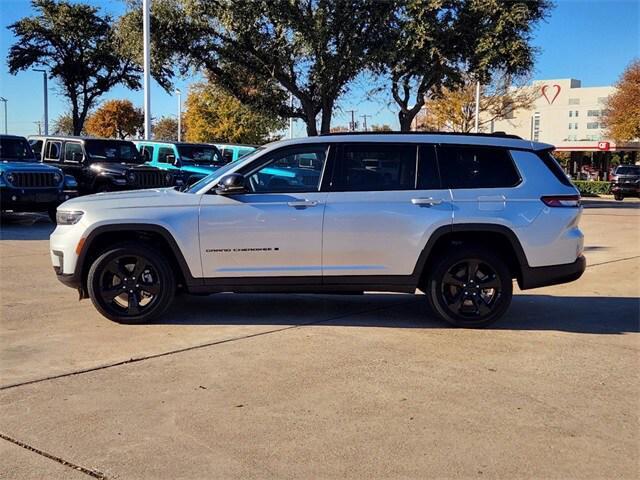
(230, 184)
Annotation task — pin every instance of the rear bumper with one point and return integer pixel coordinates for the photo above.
(534, 277)
(625, 188)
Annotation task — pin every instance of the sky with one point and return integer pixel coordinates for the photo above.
(589, 40)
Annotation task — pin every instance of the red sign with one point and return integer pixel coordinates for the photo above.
(554, 94)
(603, 146)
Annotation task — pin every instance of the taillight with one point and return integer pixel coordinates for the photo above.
(571, 201)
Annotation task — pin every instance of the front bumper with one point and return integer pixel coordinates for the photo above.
(534, 277)
(32, 199)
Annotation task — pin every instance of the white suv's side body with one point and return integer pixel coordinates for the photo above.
(336, 213)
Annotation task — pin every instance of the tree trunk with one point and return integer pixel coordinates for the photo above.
(327, 113)
(406, 119)
(75, 118)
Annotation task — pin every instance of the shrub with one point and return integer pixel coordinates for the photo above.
(587, 188)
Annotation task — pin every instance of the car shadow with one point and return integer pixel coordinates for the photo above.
(610, 204)
(25, 226)
(596, 315)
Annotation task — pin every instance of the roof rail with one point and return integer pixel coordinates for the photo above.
(494, 134)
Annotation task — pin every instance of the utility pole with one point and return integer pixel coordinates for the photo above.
(291, 118)
(178, 92)
(352, 125)
(364, 118)
(146, 45)
(477, 119)
(6, 129)
(46, 101)
(39, 123)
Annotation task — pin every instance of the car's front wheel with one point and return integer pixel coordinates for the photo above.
(130, 284)
(470, 287)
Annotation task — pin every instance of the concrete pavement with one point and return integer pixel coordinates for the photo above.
(303, 386)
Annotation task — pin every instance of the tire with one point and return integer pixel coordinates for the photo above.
(618, 197)
(457, 296)
(131, 284)
(52, 214)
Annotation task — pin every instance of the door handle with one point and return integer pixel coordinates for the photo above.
(428, 201)
(302, 203)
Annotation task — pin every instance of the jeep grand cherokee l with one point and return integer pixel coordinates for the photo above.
(456, 216)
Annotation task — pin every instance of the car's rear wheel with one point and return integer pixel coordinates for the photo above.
(470, 287)
(129, 284)
(618, 196)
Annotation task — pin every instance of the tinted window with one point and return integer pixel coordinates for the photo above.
(162, 154)
(293, 170)
(428, 175)
(147, 153)
(476, 167)
(552, 164)
(36, 145)
(628, 170)
(112, 151)
(16, 149)
(199, 154)
(375, 166)
(227, 155)
(53, 151)
(70, 149)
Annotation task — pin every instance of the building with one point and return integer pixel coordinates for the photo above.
(569, 116)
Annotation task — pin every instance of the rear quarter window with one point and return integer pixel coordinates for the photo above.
(476, 167)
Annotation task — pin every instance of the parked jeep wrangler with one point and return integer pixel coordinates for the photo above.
(27, 185)
(101, 165)
(190, 161)
(456, 216)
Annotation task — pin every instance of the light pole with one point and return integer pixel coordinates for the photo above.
(178, 92)
(46, 100)
(6, 130)
(147, 66)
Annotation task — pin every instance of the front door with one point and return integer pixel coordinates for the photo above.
(384, 203)
(274, 229)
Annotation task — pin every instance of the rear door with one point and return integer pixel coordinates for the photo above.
(385, 201)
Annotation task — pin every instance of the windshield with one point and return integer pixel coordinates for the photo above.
(113, 151)
(628, 170)
(16, 149)
(221, 171)
(199, 154)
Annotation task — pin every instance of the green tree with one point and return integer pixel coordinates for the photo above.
(622, 116)
(212, 115)
(79, 49)
(116, 119)
(166, 128)
(434, 42)
(263, 51)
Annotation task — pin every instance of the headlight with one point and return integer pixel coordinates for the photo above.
(70, 182)
(57, 177)
(10, 177)
(68, 217)
(131, 177)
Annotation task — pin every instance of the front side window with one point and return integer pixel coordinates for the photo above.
(476, 167)
(147, 153)
(375, 167)
(199, 154)
(16, 149)
(291, 170)
(70, 149)
(428, 175)
(36, 146)
(53, 151)
(227, 155)
(163, 152)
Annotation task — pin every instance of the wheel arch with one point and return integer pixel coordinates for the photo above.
(157, 236)
(498, 237)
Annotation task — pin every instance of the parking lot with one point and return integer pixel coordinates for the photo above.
(303, 386)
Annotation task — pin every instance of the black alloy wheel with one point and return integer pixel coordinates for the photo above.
(130, 285)
(470, 288)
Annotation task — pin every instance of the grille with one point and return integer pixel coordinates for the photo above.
(34, 180)
(152, 179)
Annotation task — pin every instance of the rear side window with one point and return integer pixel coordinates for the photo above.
(375, 167)
(428, 175)
(72, 152)
(53, 151)
(147, 153)
(227, 155)
(553, 165)
(476, 167)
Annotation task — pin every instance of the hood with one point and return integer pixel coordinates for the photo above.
(119, 168)
(203, 169)
(132, 199)
(9, 166)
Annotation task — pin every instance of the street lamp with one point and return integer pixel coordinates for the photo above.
(46, 100)
(178, 92)
(6, 130)
(146, 53)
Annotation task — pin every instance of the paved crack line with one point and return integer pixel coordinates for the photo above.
(612, 261)
(197, 347)
(87, 471)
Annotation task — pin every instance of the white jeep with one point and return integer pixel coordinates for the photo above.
(456, 216)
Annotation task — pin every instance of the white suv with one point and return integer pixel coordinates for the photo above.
(456, 216)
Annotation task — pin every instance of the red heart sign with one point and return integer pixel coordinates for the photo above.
(556, 89)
